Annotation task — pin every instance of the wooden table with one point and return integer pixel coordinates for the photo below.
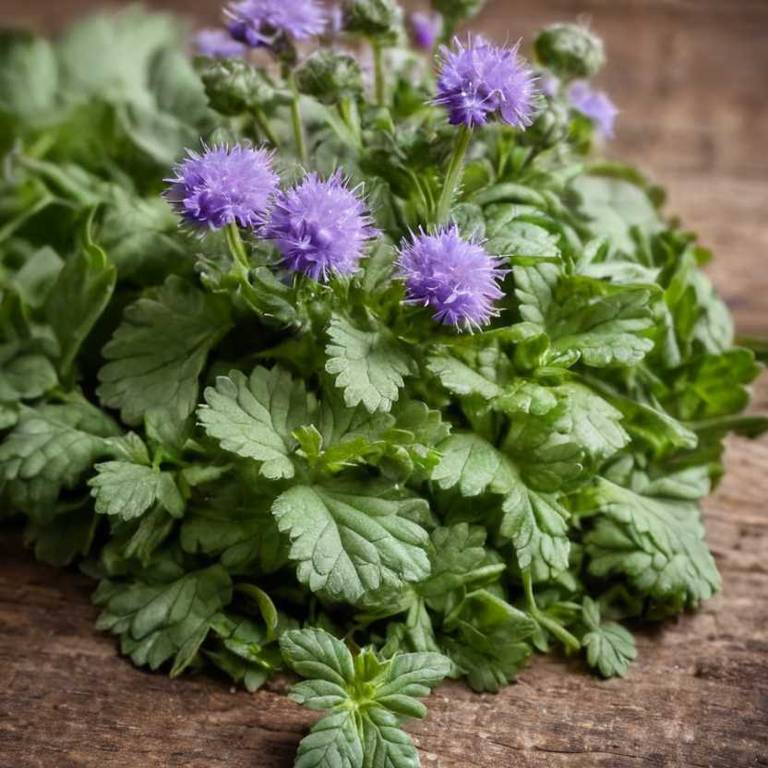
(690, 77)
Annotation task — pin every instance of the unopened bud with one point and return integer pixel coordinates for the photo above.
(233, 86)
(571, 51)
(373, 18)
(329, 76)
(458, 10)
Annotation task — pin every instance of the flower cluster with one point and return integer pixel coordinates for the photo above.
(320, 227)
(256, 23)
(223, 185)
(456, 278)
(481, 81)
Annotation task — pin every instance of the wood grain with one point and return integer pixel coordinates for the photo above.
(690, 76)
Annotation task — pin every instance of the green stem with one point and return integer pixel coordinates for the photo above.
(380, 85)
(453, 175)
(265, 129)
(236, 248)
(298, 127)
(560, 632)
(349, 116)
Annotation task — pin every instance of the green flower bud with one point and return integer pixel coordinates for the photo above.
(330, 76)
(233, 87)
(373, 18)
(550, 127)
(570, 51)
(458, 10)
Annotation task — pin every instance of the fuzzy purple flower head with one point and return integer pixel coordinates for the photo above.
(222, 185)
(218, 44)
(258, 23)
(480, 81)
(425, 29)
(456, 278)
(596, 105)
(321, 227)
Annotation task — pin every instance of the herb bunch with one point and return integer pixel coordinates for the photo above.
(377, 350)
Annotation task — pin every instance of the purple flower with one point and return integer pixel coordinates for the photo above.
(457, 278)
(321, 227)
(425, 29)
(481, 81)
(218, 44)
(223, 185)
(596, 105)
(257, 23)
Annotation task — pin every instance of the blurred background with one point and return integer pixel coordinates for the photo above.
(691, 80)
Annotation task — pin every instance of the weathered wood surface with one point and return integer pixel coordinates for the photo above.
(690, 77)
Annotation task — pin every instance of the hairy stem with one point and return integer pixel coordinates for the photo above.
(349, 116)
(453, 175)
(298, 126)
(236, 248)
(380, 85)
(264, 128)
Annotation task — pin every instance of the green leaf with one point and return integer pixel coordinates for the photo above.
(533, 521)
(128, 490)
(605, 326)
(521, 242)
(385, 743)
(368, 365)
(587, 319)
(367, 697)
(255, 417)
(141, 236)
(459, 378)
(37, 275)
(244, 649)
(470, 462)
(50, 448)
(536, 525)
(333, 742)
(649, 424)
(491, 640)
(110, 54)
(156, 355)
(610, 648)
(64, 537)
(316, 654)
(350, 541)
(28, 76)
(78, 298)
(236, 525)
(26, 377)
(715, 385)
(656, 543)
(136, 540)
(613, 206)
(589, 421)
(158, 621)
(459, 558)
(407, 678)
